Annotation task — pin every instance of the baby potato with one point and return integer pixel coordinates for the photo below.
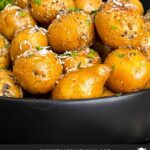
(76, 30)
(88, 5)
(13, 18)
(9, 86)
(138, 5)
(44, 11)
(83, 83)
(130, 70)
(27, 38)
(144, 44)
(107, 92)
(37, 71)
(79, 59)
(22, 3)
(4, 52)
(119, 25)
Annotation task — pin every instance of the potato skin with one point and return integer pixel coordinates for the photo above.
(13, 18)
(83, 83)
(138, 5)
(22, 3)
(119, 25)
(76, 30)
(79, 59)
(37, 71)
(46, 10)
(8, 85)
(4, 52)
(130, 70)
(27, 38)
(88, 5)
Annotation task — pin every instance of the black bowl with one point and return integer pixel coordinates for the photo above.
(124, 119)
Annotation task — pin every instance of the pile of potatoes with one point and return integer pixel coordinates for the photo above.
(74, 49)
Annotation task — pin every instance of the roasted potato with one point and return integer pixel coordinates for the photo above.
(9, 86)
(130, 70)
(71, 31)
(37, 71)
(83, 83)
(22, 3)
(28, 38)
(13, 18)
(119, 25)
(4, 52)
(138, 5)
(79, 59)
(88, 5)
(44, 11)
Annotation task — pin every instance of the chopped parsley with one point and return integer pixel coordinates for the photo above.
(113, 67)
(75, 9)
(118, 94)
(79, 65)
(91, 54)
(88, 22)
(113, 27)
(39, 48)
(72, 54)
(93, 12)
(121, 55)
(22, 14)
(38, 2)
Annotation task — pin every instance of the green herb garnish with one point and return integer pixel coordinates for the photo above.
(118, 94)
(22, 14)
(113, 68)
(121, 55)
(6, 45)
(91, 54)
(93, 12)
(113, 27)
(3, 3)
(38, 2)
(88, 22)
(39, 48)
(75, 9)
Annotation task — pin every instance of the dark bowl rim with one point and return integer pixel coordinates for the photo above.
(75, 101)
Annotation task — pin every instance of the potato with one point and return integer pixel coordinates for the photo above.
(138, 5)
(4, 52)
(13, 18)
(88, 5)
(76, 30)
(37, 71)
(147, 85)
(130, 70)
(119, 25)
(144, 44)
(44, 11)
(22, 3)
(108, 93)
(9, 86)
(27, 38)
(83, 83)
(79, 59)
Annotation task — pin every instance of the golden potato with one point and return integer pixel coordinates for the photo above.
(37, 71)
(83, 83)
(144, 45)
(130, 70)
(4, 52)
(147, 85)
(138, 5)
(13, 18)
(71, 31)
(22, 3)
(108, 93)
(27, 38)
(119, 25)
(88, 5)
(79, 59)
(9, 86)
(44, 11)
